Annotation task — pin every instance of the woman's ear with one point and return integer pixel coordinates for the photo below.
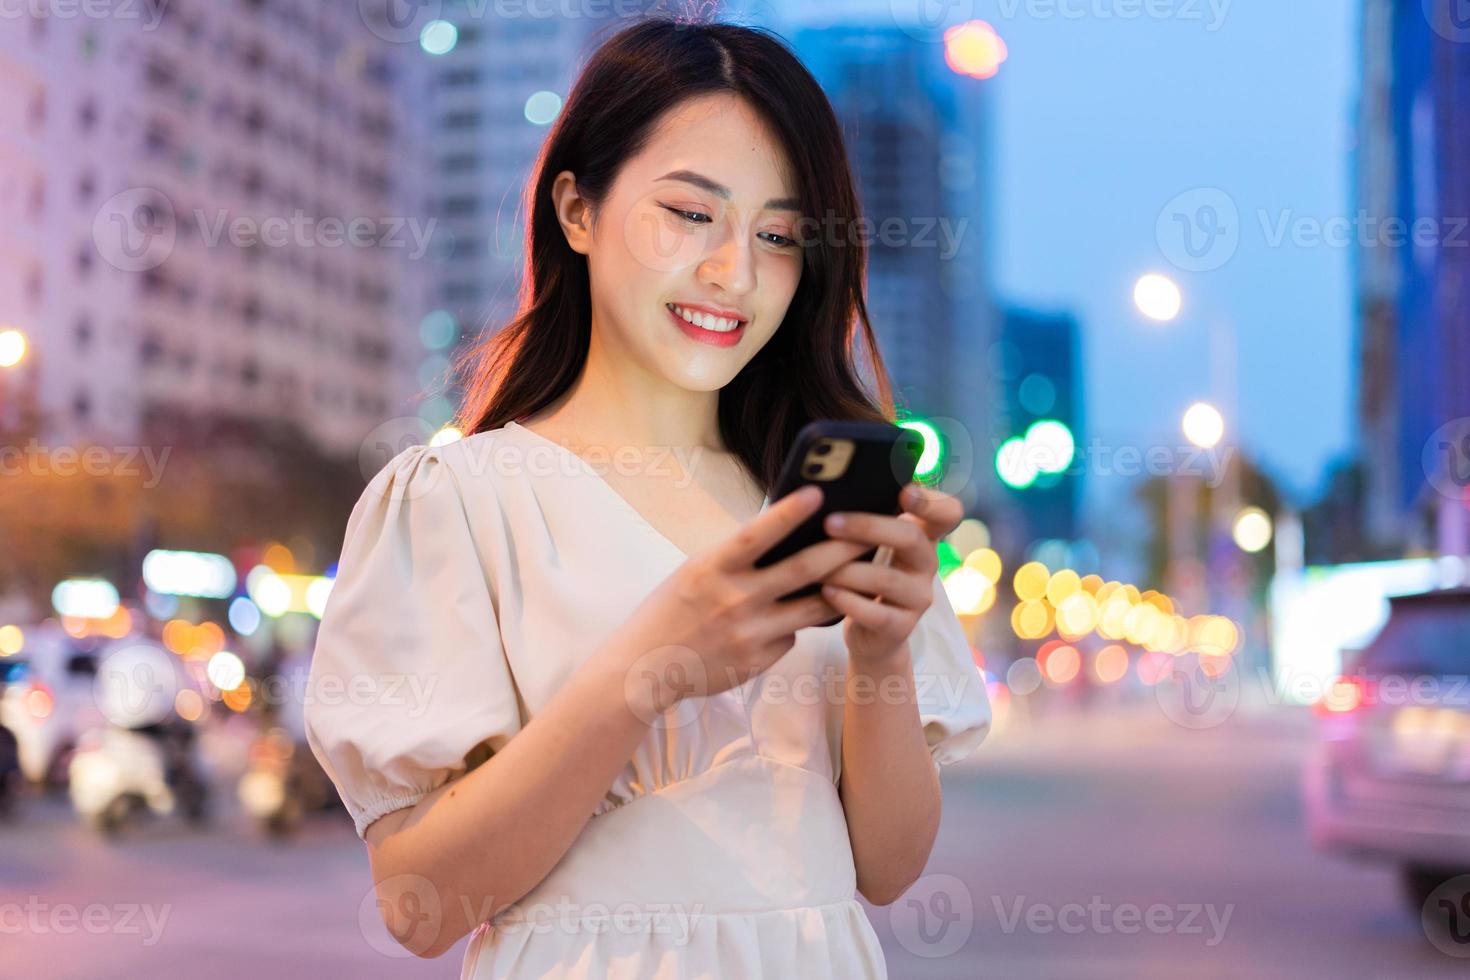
(572, 211)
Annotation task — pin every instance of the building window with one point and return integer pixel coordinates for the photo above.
(458, 163)
(463, 119)
(87, 114)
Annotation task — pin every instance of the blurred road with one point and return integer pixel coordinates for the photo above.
(1050, 832)
(1068, 824)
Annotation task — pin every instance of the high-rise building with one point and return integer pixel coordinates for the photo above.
(1413, 162)
(916, 136)
(209, 218)
(493, 93)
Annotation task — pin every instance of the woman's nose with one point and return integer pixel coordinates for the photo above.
(731, 267)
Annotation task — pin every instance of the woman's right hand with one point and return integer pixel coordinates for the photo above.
(716, 621)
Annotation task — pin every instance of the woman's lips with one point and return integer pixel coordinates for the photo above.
(712, 337)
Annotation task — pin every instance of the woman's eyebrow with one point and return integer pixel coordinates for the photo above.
(721, 191)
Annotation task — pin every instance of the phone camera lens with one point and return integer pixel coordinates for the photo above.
(822, 448)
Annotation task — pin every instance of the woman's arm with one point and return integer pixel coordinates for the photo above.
(889, 787)
(889, 784)
(481, 841)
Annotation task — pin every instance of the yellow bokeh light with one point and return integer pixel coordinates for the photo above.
(238, 698)
(1031, 581)
(975, 49)
(12, 347)
(1077, 615)
(1112, 619)
(1203, 425)
(1252, 530)
(970, 593)
(1162, 603)
(279, 558)
(12, 638)
(1061, 585)
(986, 562)
(1031, 620)
(1217, 637)
(1138, 624)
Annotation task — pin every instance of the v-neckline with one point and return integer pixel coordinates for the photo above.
(627, 505)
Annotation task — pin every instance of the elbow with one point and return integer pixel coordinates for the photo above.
(885, 893)
(413, 914)
(427, 917)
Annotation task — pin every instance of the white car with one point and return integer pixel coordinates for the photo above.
(47, 700)
(1389, 776)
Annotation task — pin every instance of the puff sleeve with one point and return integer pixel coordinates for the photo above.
(409, 684)
(953, 705)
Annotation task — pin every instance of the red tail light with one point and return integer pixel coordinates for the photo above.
(1345, 695)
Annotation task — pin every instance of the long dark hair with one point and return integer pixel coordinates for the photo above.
(807, 369)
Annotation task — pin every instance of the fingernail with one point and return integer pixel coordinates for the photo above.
(836, 522)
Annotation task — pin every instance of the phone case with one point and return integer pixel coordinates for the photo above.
(883, 460)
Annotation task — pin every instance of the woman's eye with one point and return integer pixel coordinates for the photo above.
(693, 217)
(780, 240)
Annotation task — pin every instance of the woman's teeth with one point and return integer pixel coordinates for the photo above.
(705, 321)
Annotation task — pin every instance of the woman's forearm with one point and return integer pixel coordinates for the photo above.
(890, 791)
(485, 839)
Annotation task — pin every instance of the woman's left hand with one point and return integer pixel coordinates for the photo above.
(877, 630)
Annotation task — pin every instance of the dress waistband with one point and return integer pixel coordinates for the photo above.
(751, 835)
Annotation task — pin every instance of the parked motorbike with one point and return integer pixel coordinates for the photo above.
(283, 783)
(117, 773)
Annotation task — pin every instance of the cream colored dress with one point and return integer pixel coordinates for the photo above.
(474, 579)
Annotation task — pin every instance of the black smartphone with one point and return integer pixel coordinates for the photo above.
(860, 466)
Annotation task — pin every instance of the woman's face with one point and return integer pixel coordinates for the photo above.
(701, 223)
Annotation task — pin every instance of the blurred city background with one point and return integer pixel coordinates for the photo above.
(1183, 314)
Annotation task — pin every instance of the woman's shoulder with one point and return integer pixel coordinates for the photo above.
(423, 467)
(466, 474)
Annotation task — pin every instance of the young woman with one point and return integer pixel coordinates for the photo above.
(565, 710)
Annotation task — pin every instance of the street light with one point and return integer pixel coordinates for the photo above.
(1252, 530)
(1157, 297)
(12, 347)
(1203, 425)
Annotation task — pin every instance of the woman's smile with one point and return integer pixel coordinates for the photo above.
(705, 327)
